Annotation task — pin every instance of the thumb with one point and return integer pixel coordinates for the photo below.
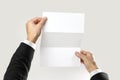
(81, 56)
(42, 21)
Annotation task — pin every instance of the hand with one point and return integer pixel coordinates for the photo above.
(87, 59)
(33, 28)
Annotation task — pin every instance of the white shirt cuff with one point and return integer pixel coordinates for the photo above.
(96, 71)
(31, 44)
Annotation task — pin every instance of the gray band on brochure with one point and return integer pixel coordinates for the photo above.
(52, 39)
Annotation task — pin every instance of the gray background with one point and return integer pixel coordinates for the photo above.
(102, 29)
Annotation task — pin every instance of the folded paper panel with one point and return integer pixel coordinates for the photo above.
(59, 57)
(52, 39)
(64, 22)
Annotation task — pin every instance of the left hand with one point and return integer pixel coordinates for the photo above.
(87, 59)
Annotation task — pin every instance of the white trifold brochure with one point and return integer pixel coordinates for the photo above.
(61, 37)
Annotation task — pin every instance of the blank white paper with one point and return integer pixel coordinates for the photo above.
(59, 57)
(61, 37)
(64, 22)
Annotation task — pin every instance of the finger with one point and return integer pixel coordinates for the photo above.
(37, 21)
(88, 53)
(77, 54)
(81, 56)
(83, 52)
(34, 19)
(43, 20)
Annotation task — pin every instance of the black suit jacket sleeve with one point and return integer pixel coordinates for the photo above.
(20, 63)
(100, 76)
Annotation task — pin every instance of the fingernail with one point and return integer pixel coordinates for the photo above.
(81, 51)
(76, 53)
(45, 17)
(84, 51)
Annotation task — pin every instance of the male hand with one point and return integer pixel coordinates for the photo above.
(33, 28)
(87, 59)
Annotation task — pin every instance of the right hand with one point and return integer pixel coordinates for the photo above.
(87, 59)
(33, 28)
